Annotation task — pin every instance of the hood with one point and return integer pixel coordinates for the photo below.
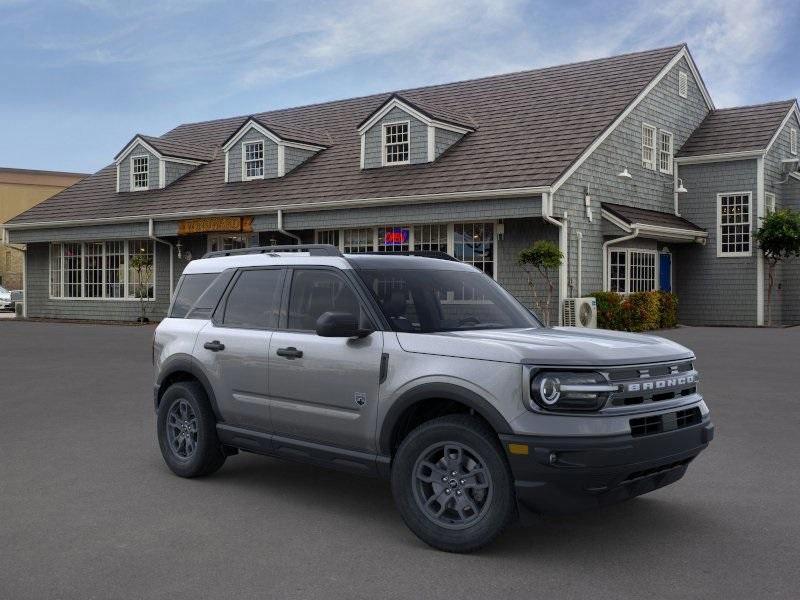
(556, 346)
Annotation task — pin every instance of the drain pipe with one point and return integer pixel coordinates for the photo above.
(563, 242)
(618, 240)
(151, 234)
(283, 231)
(580, 264)
(5, 239)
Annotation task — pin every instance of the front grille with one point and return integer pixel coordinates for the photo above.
(652, 383)
(654, 424)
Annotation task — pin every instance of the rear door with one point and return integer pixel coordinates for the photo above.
(323, 389)
(233, 347)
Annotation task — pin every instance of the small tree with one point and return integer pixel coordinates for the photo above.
(779, 239)
(142, 265)
(539, 261)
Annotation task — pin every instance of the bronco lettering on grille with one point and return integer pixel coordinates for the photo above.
(661, 384)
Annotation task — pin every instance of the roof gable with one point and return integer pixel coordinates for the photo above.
(280, 134)
(167, 149)
(420, 110)
(740, 129)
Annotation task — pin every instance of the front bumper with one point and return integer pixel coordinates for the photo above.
(570, 474)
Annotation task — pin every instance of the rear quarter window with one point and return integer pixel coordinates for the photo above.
(190, 289)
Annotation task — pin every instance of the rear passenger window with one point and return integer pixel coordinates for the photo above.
(317, 291)
(254, 300)
(189, 291)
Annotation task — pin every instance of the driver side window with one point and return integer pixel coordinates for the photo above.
(317, 291)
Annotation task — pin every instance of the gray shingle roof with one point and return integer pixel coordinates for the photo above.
(175, 148)
(530, 127)
(631, 215)
(738, 129)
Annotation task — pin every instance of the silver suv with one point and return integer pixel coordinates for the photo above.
(423, 370)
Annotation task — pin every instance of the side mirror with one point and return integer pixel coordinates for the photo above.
(340, 324)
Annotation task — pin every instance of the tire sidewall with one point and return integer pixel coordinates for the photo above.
(474, 434)
(207, 451)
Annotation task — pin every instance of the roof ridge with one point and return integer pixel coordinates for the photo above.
(788, 101)
(390, 93)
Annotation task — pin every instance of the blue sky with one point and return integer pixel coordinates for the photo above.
(81, 77)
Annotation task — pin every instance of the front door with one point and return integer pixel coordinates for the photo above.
(234, 348)
(665, 272)
(323, 389)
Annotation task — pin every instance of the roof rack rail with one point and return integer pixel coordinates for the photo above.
(423, 253)
(312, 249)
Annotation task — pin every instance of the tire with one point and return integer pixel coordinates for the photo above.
(480, 502)
(189, 445)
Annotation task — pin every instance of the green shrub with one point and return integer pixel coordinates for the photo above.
(640, 311)
(609, 309)
(669, 310)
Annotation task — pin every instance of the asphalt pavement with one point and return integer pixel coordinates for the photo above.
(88, 509)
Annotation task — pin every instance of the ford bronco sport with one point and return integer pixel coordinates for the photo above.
(423, 370)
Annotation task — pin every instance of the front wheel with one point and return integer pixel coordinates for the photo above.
(452, 484)
(187, 431)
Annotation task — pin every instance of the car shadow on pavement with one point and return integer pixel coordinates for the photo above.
(635, 523)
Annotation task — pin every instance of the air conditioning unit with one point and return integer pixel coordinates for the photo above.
(580, 312)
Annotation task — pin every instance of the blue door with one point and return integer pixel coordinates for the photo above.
(665, 272)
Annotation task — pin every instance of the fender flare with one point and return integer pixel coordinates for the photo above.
(187, 364)
(445, 391)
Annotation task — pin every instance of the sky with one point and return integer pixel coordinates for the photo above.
(81, 77)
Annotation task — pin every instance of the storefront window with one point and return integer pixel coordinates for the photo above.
(98, 270)
(430, 238)
(393, 239)
(227, 241)
(473, 243)
(631, 271)
(357, 240)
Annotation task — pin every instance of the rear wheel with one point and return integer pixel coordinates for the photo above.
(452, 484)
(187, 432)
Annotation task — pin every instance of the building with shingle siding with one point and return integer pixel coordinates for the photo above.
(623, 161)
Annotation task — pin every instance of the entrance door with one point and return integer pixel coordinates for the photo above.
(323, 389)
(226, 241)
(665, 272)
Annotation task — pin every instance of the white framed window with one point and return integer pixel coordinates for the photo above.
(683, 84)
(253, 160)
(632, 270)
(472, 243)
(396, 144)
(430, 238)
(140, 173)
(357, 241)
(793, 140)
(769, 200)
(734, 220)
(648, 146)
(394, 239)
(226, 241)
(665, 152)
(100, 270)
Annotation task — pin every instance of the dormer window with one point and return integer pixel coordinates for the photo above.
(140, 170)
(253, 153)
(396, 148)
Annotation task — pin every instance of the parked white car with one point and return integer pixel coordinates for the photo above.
(5, 299)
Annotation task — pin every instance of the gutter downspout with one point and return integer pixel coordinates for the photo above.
(547, 212)
(675, 187)
(618, 240)
(580, 264)
(283, 231)
(152, 236)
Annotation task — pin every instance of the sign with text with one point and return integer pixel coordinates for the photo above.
(395, 237)
(216, 224)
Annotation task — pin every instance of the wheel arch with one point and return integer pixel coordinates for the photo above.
(182, 367)
(428, 393)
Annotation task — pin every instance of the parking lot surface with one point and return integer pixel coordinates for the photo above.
(88, 509)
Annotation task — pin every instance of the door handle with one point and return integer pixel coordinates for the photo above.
(290, 352)
(214, 346)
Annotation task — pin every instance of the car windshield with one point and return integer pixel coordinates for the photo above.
(430, 301)
(3, 290)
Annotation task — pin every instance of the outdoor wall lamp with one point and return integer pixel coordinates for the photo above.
(680, 189)
(625, 174)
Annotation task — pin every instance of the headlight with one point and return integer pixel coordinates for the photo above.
(570, 390)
